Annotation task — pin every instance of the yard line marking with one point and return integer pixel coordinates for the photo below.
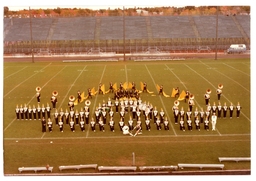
(225, 76)
(214, 87)
(43, 135)
(15, 72)
(161, 101)
(34, 96)
(25, 81)
(71, 87)
(236, 69)
(87, 132)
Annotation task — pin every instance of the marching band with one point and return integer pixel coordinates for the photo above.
(131, 109)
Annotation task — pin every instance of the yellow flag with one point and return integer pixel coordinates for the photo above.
(141, 86)
(173, 92)
(129, 85)
(82, 97)
(76, 102)
(103, 89)
(165, 95)
(125, 85)
(93, 91)
(115, 86)
(182, 96)
(157, 87)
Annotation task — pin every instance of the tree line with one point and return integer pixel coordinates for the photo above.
(135, 11)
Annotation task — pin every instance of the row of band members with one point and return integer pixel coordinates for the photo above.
(129, 126)
(134, 109)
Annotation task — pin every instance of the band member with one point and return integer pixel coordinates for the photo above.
(66, 116)
(145, 89)
(49, 123)
(225, 110)
(138, 113)
(43, 110)
(111, 88)
(182, 124)
(214, 108)
(201, 115)
(121, 124)
(189, 123)
(197, 123)
(176, 115)
(81, 114)
(87, 115)
(126, 130)
(130, 123)
(54, 102)
(214, 121)
(93, 124)
(71, 105)
(89, 93)
(77, 114)
(104, 115)
(61, 115)
(117, 105)
(238, 109)
(97, 115)
(231, 109)
(161, 90)
(38, 112)
(34, 110)
(219, 91)
(122, 114)
(21, 112)
(25, 111)
(79, 96)
(188, 114)
(207, 114)
(29, 112)
(162, 115)
(207, 96)
(56, 117)
(109, 103)
(81, 124)
(38, 94)
(60, 123)
(112, 124)
(48, 110)
(177, 94)
(17, 111)
(190, 104)
(134, 107)
(155, 114)
(206, 124)
(43, 124)
(187, 96)
(72, 125)
(120, 85)
(166, 124)
(219, 110)
(99, 89)
(182, 113)
(147, 123)
(196, 113)
(158, 123)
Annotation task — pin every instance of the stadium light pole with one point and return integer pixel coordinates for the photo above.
(31, 36)
(216, 41)
(124, 33)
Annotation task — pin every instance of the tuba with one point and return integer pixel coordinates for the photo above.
(220, 86)
(55, 93)
(72, 98)
(176, 103)
(208, 91)
(87, 103)
(38, 89)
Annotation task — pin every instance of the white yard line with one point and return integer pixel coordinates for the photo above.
(162, 101)
(236, 69)
(25, 80)
(214, 86)
(87, 131)
(15, 73)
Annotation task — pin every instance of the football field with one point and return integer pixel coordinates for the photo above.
(26, 145)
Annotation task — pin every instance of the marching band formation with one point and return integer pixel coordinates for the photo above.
(132, 114)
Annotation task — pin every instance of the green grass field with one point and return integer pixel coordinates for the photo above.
(25, 145)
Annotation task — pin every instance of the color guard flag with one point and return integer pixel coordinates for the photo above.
(103, 89)
(76, 102)
(115, 86)
(173, 92)
(182, 96)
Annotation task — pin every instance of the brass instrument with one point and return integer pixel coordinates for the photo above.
(55, 93)
(208, 91)
(220, 86)
(38, 89)
(176, 103)
(87, 102)
(72, 98)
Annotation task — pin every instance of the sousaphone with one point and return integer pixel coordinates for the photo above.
(176, 103)
(72, 98)
(208, 91)
(191, 96)
(55, 93)
(38, 89)
(87, 102)
(220, 86)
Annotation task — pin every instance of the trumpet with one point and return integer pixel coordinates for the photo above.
(87, 103)
(176, 103)
(38, 89)
(208, 91)
(55, 93)
(220, 86)
(72, 98)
